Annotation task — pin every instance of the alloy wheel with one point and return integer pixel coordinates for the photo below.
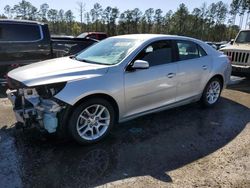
(213, 92)
(93, 122)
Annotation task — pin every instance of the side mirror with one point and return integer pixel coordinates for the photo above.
(232, 41)
(140, 64)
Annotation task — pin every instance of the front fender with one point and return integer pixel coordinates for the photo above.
(108, 84)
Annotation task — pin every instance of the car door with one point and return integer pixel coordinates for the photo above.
(153, 87)
(23, 43)
(194, 66)
(19, 45)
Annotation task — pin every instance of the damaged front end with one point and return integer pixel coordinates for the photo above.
(37, 106)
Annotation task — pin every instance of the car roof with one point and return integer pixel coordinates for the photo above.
(154, 37)
(20, 21)
(96, 32)
(245, 30)
(141, 36)
(145, 37)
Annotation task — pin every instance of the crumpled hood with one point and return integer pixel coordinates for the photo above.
(56, 70)
(237, 47)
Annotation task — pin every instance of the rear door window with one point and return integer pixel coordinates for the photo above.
(189, 50)
(19, 33)
(201, 51)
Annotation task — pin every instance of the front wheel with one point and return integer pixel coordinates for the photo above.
(211, 93)
(91, 121)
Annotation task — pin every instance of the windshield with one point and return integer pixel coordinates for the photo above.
(83, 35)
(108, 52)
(243, 37)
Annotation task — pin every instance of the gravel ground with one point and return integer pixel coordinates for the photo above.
(183, 147)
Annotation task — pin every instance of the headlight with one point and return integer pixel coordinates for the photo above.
(50, 90)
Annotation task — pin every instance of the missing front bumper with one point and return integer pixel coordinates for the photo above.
(30, 109)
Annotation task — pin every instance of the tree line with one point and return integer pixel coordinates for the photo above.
(214, 22)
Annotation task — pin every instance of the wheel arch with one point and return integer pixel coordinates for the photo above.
(220, 77)
(65, 115)
(203, 98)
(107, 97)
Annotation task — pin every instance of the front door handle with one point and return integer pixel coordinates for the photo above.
(171, 75)
(204, 67)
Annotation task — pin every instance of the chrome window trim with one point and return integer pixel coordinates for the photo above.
(31, 41)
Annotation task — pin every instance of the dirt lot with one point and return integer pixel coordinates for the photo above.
(184, 147)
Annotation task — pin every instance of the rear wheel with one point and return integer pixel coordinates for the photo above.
(91, 121)
(212, 92)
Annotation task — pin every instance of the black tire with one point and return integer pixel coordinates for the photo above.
(78, 111)
(204, 100)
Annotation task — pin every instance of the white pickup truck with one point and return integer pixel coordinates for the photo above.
(239, 52)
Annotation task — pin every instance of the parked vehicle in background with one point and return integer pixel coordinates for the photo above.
(226, 45)
(239, 53)
(115, 80)
(211, 44)
(221, 44)
(93, 35)
(62, 36)
(25, 42)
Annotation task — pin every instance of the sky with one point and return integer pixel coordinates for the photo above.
(122, 5)
(165, 5)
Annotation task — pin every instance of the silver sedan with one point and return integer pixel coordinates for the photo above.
(115, 80)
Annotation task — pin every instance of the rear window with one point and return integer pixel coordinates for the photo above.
(93, 36)
(97, 36)
(19, 33)
(102, 36)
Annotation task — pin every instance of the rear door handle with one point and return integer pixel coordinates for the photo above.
(204, 67)
(171, 75)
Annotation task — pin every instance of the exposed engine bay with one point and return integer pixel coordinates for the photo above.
(36, 106)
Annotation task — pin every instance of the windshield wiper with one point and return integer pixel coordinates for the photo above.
(85, 60)
(88, 61)
(82, 60)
